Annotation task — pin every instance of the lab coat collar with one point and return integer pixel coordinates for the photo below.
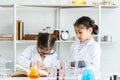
(90, 41)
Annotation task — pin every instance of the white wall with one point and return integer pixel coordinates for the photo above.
(36, 18)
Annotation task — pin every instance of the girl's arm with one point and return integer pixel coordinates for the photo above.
(95, 59)
(55, 61)
(24, 59)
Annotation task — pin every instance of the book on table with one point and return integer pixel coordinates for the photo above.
(24, 72)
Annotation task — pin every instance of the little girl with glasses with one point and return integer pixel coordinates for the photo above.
(43, 52)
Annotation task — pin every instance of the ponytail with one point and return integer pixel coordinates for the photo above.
(94, 26)
(95, 30)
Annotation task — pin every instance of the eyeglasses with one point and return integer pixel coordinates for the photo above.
(43, 52)
(46, 53)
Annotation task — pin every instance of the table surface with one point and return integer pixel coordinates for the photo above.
(21, 78)
(43, 78)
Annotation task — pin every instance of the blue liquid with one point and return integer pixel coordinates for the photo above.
(88, 75)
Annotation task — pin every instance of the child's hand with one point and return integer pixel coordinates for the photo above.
(41, 65)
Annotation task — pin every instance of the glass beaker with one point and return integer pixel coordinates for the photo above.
(68, 71)
(34, 72)
(52, 72)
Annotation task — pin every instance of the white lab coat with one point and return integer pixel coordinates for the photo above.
(90, 53)
(24, 59)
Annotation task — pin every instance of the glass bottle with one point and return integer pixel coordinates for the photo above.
(34, 72)
(56, 33)
(44, 30)
(2, 65)
(49, 30)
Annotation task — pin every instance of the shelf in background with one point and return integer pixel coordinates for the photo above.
(34, 41)
(26, 41)
(5, 61)
(72, 41)
(109, 6)
(6, 5)
(6, 69)
(59, 41)
(68, 6)
(67, 41)
(58, 5)
(4, 41)
(106, 42)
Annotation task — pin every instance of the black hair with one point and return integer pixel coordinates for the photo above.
(45, 40)
(88, 23)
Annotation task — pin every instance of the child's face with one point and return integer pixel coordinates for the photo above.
(44, 51)
(83, 33)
